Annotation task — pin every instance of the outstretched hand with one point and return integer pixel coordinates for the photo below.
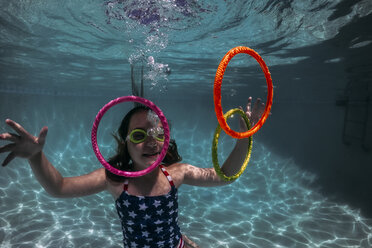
(254, 114)
(23, 144)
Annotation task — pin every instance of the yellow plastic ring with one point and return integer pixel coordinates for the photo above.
(215, 144)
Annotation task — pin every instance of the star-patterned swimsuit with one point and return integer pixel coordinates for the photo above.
(150, 221)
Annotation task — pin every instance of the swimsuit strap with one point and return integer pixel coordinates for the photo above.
(165, 172)
(125, 187)
(182, 243)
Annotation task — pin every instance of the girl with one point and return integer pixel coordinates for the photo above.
(147, 206)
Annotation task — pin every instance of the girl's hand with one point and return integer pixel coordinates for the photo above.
(253, 114)
(24, 144)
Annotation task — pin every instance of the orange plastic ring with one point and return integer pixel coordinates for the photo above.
(217, 92)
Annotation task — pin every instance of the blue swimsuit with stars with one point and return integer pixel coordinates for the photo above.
(150, 221)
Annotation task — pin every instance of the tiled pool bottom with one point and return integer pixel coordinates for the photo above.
(271, 205)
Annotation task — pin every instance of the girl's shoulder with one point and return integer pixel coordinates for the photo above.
(176, 167)
(177, 172)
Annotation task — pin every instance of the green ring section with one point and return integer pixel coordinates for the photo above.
(216, 165)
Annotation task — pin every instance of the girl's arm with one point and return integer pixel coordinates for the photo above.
(58, 186)
(207, 176)
(30, 147)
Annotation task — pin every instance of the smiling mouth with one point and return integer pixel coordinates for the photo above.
(149, 155)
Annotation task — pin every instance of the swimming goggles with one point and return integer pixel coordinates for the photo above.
(139, 135)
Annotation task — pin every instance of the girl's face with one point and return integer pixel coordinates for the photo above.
(145, 153)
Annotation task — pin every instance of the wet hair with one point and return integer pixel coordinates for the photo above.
(122, 159)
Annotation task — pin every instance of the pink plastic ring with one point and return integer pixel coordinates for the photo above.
(154, 108)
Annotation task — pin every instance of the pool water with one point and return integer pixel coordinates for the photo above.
(61, 62)
(273, 204)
